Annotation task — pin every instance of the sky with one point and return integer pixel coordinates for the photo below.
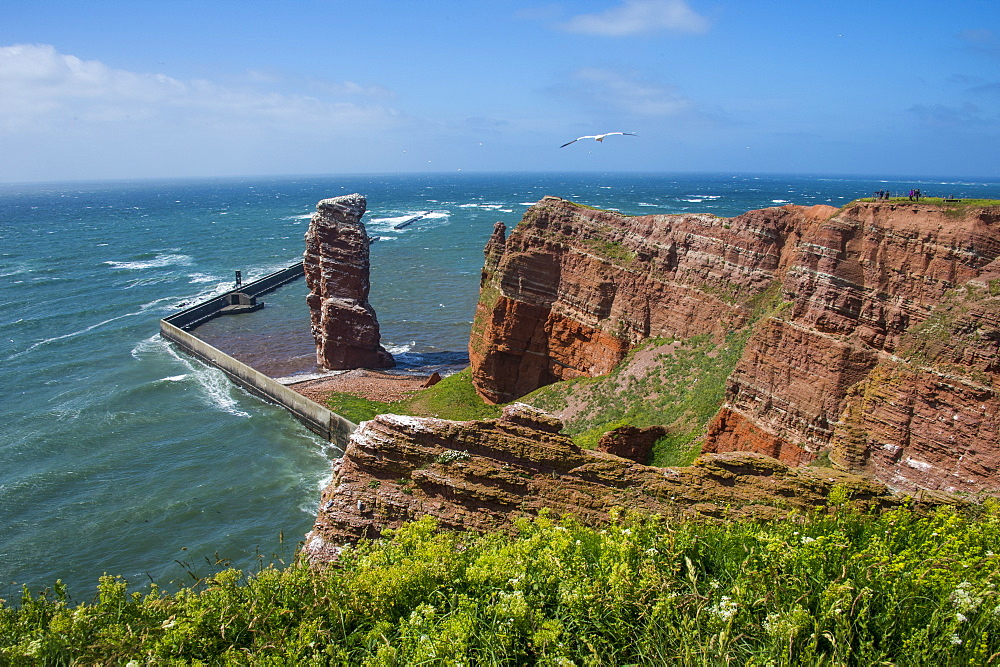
(151, 89)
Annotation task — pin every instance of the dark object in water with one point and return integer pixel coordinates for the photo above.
(411, 220)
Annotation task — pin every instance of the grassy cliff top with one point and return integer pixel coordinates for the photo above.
(834, 587)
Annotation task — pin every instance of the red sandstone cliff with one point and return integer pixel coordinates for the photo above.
(336, 261)
(481, 475)
(843, 367)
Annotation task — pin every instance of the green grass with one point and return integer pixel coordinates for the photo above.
(961, 204)
(453, 397)
(682, 390)
(836, 587)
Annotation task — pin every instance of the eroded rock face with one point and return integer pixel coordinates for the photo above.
(481, 475)
(572, 289)
(344, 324)
(842, 370)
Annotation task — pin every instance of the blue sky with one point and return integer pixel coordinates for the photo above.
(142, 89)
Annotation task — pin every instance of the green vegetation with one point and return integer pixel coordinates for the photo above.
(681, 387)
(958, 205)
(610, 250)
(678, 384)
(836, 587)
(453, 397)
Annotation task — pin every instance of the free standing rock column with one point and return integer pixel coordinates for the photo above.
(337, 266)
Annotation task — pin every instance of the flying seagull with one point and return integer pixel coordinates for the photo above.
(598, 137)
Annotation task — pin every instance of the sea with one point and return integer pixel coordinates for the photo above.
(121, 455)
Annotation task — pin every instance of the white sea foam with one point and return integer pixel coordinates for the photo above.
(487, 206)
(154, 342)
(14, 270)
(215, 386)
(780, 201)
(72, 334)
(400, 349)
(202, 278)
(157, 262)
(389, 223)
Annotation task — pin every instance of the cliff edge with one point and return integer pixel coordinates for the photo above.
(879, 351)
(483, 475)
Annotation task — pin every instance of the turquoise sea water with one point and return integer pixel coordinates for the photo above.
(120, 455)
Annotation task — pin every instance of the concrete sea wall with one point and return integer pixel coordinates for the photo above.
(176, 328)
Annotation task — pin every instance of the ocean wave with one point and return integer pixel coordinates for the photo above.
(389, 223)
(158, 304)
(196, 278)
(487, 206)
(216, 389)
(72, 334)
(780, 201)
(153, 343)
(400, 349)
(157, 262)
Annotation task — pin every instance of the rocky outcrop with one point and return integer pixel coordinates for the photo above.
(336, 261)
(629, 442)
(482, 475)
(929, 416)
(572, 289)
(847, 367)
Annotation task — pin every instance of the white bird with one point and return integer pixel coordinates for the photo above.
(598, 137)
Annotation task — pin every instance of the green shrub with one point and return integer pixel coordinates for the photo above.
(836, 586)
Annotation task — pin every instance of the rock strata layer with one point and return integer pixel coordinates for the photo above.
(336, 261)
(848, 304)
(481, 475)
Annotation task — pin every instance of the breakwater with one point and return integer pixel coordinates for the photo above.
(177, 329)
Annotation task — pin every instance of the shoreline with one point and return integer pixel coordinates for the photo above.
(368, 384)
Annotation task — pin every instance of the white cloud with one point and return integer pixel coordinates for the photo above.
(596, 86)
(41, 90)
(635, 17)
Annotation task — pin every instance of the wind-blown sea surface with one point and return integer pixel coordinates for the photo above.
(120, 455)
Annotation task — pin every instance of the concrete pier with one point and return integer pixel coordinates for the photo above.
(176, 328)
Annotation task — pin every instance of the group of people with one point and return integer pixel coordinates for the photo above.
(883, 195)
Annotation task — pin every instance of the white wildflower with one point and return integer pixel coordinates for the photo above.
(725, 608)
(955, 639)
(964, 601)
(961, 617)
(806, 539)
